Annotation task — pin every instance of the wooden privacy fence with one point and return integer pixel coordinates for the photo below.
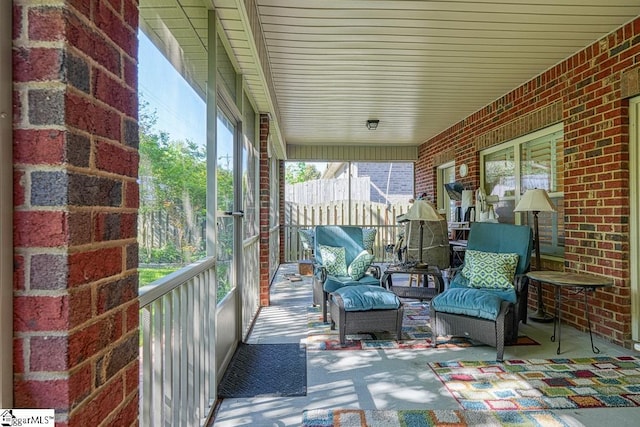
(314, 191)
(159, 229)
(363, 214)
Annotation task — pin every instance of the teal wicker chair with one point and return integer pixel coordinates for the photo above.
(487, 298)
(332, 244)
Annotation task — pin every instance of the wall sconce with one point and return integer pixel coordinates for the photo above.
(372, 124)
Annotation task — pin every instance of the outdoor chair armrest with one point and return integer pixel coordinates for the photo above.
(320, 272)
(452, 271)
(375, 271)
(521, 283)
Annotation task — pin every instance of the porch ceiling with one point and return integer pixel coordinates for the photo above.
(417, 66)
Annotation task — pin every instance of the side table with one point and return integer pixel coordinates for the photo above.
(420, 292)
(581, 282)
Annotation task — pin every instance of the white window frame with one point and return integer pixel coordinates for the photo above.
(442, 197)
(634, 216)
(517, 144)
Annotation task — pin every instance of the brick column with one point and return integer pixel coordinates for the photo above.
(76, 198)
(265, 203)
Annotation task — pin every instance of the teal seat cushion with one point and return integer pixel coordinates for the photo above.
(459, 281)
(483, 303)
(334, 283)
(367, 297)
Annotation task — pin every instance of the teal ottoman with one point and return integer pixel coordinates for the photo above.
(365, 308)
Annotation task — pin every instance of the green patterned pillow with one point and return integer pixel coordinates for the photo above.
(306, 239)
(490, 270)
(368, 238)
(334, 260)
(359, 265)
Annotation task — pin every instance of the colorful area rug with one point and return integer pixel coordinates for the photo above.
(425, 418)
(416, 334)
(595, 382)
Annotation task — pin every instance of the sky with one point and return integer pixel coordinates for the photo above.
(180, 111)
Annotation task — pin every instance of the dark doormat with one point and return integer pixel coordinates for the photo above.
(258, 370)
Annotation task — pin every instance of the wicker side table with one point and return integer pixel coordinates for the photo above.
(419, 292)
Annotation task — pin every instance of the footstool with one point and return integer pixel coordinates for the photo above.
(365, 308)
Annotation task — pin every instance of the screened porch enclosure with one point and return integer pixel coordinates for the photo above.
(365, 194)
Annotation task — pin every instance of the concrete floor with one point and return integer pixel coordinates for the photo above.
(387, 379)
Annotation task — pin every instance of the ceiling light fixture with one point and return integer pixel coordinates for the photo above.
(372, 124)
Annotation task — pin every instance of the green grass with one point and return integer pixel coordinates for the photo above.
(148, 275)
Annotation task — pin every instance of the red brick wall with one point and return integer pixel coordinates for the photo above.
(584, 92)
(76, 198)
(265, 206)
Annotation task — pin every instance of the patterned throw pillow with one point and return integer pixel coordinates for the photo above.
(334, 260)
(489, 269)
(359, 265)
(306, 239)
(368, 238)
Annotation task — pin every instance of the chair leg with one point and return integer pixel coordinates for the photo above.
(325, 301)
(500, 351)
(434, 334)
(500, 338)
(399, 322)
(342, 322)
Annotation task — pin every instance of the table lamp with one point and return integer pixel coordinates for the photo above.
(422, 211)
(535, 201)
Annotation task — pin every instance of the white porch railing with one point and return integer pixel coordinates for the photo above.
(364, 214)
(177, 318)
(386, 235)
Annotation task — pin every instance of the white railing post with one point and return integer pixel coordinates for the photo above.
(178, 347)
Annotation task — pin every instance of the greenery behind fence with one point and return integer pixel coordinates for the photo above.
(172, 214)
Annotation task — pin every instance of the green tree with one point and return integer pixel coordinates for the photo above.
(173, 178)
(300, 172)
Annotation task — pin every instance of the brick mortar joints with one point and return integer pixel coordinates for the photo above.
(29, 208)
(41, 376)
(96, 65)
(126, 401)
(64, 87)
(41, 84)
(66, 167)
(96, 319)
(41, 293)
(94, 393)
(88, 96)
(23, 89)
(40, 334)
(107, 244)
(26, 43)
(64, 6)
(93, 171)
(101, 209)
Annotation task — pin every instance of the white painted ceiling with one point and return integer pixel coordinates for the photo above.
(417, 66)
